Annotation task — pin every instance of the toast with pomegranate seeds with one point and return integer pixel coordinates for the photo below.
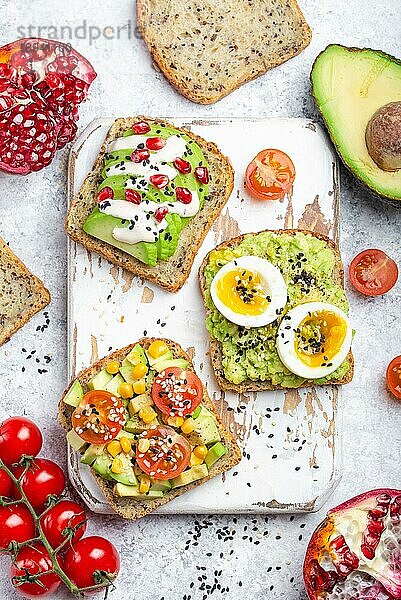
(22, 293)
(139, 506)
(208, 49)
(171, 273)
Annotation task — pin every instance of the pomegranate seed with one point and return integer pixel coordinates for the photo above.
(183, 166)
(105, 194)
(160, 213)
(133, 196)
(184, 195)
(159, 181)
(53, 80)
(141, 127)
(139, 155)
(155, 143)
(322, 580)
(202, 175)
(367, 552)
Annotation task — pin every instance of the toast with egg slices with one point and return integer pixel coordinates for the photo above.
(172, 273)
(335, 279)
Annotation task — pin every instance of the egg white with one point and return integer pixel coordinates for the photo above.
(271, 280)
(285, 341)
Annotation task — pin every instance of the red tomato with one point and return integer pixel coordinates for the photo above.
(393, 377)
(177, 392)
(31, 560)
(99, 418)
(19, 436)
(64, 517)
(91, 554)
(16, 525)
(5, 484)
(373, 273)
(270, 175)
(42, 479)
(168, 454)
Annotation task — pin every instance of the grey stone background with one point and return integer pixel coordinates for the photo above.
(192, 558)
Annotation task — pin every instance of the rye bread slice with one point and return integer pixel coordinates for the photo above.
(22, 293)
(216, 354)
(207, 49)
(129, 508)
(172, 273)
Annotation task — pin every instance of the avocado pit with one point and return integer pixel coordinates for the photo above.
(383, 137)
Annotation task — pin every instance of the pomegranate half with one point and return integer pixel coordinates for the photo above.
(355, 554)
(42, 82)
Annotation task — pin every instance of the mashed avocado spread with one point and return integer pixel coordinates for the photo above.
(307, 265)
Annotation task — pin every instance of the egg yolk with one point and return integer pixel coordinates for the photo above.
(319, 338)
(242, 292)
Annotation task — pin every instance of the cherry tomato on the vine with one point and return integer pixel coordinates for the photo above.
(31, 560)
(16, 525)
(91, 554)
(66, 520)
(42, 479)
(19, 436)
(5, 484)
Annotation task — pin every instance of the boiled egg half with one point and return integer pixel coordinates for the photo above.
(249, 291)
(314, 339)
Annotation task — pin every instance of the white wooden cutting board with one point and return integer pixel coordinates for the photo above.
(290, 439)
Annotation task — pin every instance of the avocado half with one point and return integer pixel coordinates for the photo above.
(349, 85)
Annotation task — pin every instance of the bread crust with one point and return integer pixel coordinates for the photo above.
(36, 286)
(171, 274)
(129, 508)
(216, 354)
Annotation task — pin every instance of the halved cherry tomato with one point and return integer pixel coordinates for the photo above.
(99, 418)
(177, 393)
(270, 175)
(373, 273)
(168, 454)
(393, 377)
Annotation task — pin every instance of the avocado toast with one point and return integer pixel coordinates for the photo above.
(133, 377)
(247, 358)
(150, 199)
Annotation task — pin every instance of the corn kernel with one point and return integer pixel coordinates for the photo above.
(195, 460)
(125, 444)
(147, 414)
(134, 359)
(175, 421)
(139, 386)
(200, 451)
(139, 371)
(113, 367)
(125, 390)
(143, 445)
(188, 426)
(114, 448)
(157, 348)
(144, 484)
(117, 466)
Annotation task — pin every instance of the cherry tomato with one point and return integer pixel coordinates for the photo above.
(31, 560)
(64, 517)
(19, 436)
(373, 273)
(168, 454)
(92, 553)
(99, 418)
(270, 175)
(42, 479)
(393, 377)
(16, 525)
(176, 392)
(5, 484)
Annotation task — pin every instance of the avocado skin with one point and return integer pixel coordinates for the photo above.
(388, 199)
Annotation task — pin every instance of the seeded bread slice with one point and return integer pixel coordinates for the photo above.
(129, 508)
(173, 273)
(207, 49)
(216, 354)
(22, 294)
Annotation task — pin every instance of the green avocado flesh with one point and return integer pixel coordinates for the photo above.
(100, 225)
(349, 86)
(251, 353)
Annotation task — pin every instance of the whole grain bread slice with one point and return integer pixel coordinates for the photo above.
(22, 294)
(129, 508)
(172, 273)
(207, 49)
(216, 355)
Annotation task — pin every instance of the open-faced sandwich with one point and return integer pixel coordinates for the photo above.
(277, 311)
(144, 422)
(151, 197)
